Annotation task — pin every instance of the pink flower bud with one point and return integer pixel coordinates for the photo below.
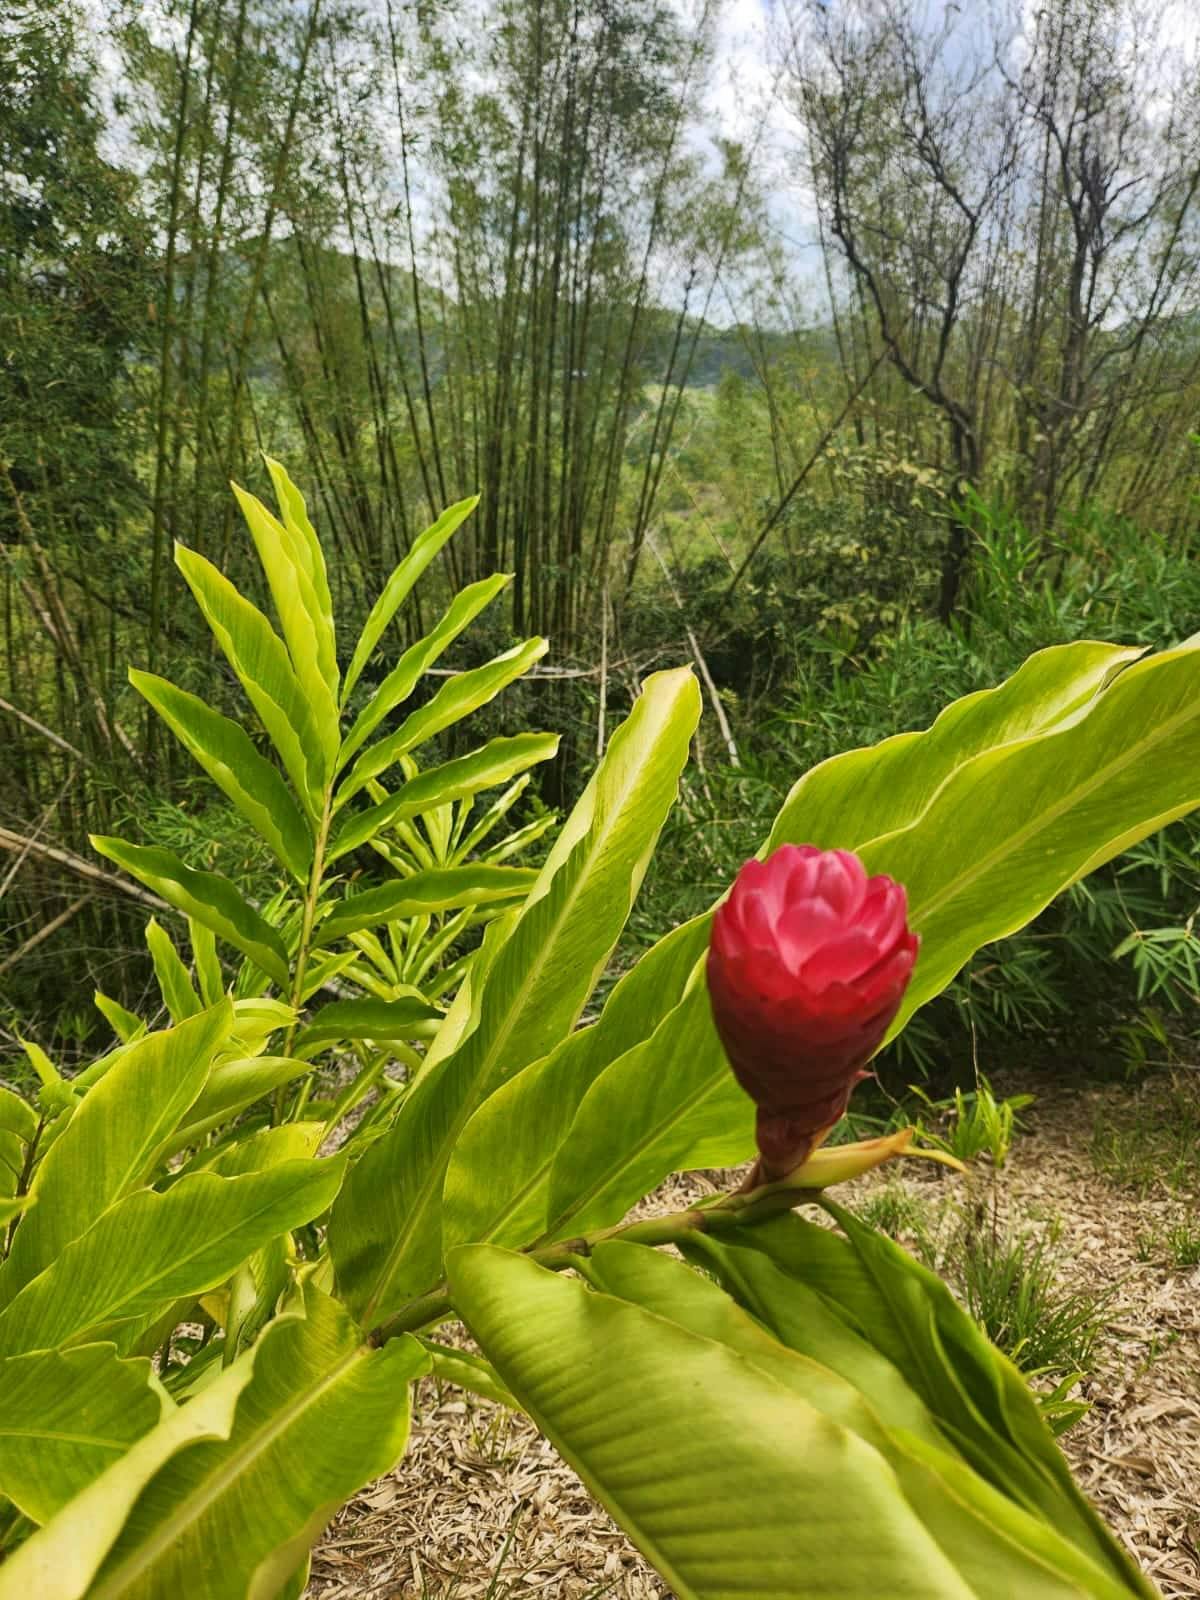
(807, 965)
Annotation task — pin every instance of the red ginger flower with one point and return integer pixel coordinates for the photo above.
(807, 965)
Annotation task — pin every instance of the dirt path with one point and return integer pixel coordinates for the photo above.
(482, 1507)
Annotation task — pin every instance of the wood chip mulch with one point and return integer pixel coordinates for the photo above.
(481, 1506)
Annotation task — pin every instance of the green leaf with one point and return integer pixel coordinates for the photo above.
(225, 1495)
(396, 590)
(231, 1087)
(456, 699)
(205, 896)
(515, 1135)
(260, 659)
(174, 980)
(405, 1018)
(467, 1371)
(1003, 830)
(998, 1548)
(493, 763)
(418, 658)
(775, 1488)
(860, 794)
(123, 1023)
(307, 553)
(67, 1416)
(252, 784)
(425, 893)
(913, 1321)
(113, 1141)
(13, 1205)
(285, 559)
(1018, 824)
(150, 1249)
(291, 1141)
(18, 1129)
(208, 967)
(385, 1230)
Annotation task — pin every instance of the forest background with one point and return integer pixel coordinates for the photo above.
(852, 407)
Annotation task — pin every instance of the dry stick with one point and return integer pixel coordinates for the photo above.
(44, 933)
(817, 452)
(718, 708)
(40, 727)
(66, 858)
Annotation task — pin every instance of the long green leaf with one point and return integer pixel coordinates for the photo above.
(418, 658)
(493, 763)
(307, 552)
(292, 560)
(1021, 822)
(424, 893)
(113, 1140)
(1000, 834)
(67, 1415)
(385, 1231)
(999, 1548)
(260, 659)
(515, 1135)
(396, 590)
(455, 700)
(225, 1495)
(174, 980)
(404, 1018)
(150, 1249)
(861, 794)
(912, 1320)
(284, 560)
(231, 1087)
(729, 1482)
(226, 752)
(204, 896)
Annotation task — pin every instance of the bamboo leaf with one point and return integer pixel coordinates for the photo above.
(493, 763)
(150, 1249)
(418, 658)
(455, 700)
(396, 590)
(206, 897)
(113, 1141)
(385, 1231)
(260, 659)
(251, 783)
(425, 893)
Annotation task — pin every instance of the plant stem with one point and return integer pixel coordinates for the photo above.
(311, 897)
(733, 1210)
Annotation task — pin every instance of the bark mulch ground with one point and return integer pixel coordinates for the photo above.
(482, 1507)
